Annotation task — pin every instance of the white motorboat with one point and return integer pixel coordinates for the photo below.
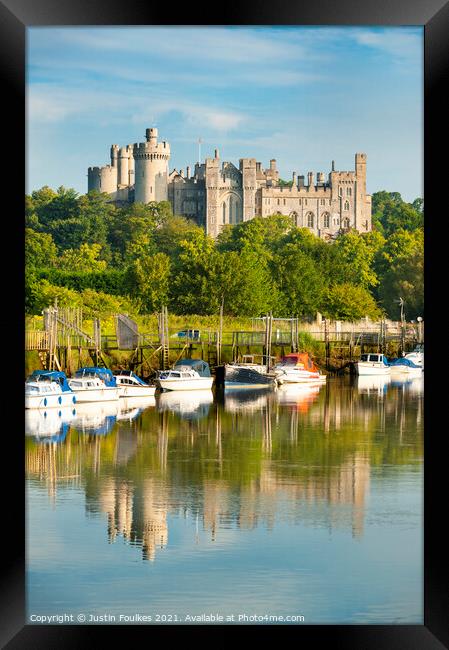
(93, 384)
(404, 367)
(373, 364)
(248, 374)
(298, 368)
(130, 385)
(46, 389)
(187, 374)
(417, 356)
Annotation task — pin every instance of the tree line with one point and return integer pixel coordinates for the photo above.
(84, 250)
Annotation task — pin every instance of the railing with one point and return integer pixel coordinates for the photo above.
(36, 340)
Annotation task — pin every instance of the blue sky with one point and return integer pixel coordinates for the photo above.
(303, 95)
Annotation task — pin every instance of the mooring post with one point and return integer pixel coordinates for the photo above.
(326, 343)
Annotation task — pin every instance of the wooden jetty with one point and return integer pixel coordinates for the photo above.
(64, 343)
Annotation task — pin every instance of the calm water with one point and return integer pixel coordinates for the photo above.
(300, 502)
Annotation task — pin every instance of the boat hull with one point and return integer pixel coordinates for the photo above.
(300, 377)
(241, 377)
(48, 401)
(372, 369)
(202, 383)
(137, 391)
(86, 395)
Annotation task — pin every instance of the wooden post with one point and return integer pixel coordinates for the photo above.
(220, 333)
(326, 342)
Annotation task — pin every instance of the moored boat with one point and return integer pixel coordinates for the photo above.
(48, 389)
(298, 368)
(417, 356)
(187, 374)
(405, 367)
(248, 374)
(130, 385)
(94, 384)
(373, 364)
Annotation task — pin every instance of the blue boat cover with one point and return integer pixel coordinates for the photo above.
(404, 362)
(102, 373)
(200, 366)
(51, 375)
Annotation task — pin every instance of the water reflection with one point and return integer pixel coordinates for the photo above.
(248, 460)
(191, 405)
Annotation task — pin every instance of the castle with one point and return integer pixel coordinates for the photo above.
(219, 193)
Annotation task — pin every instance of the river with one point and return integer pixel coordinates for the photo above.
(296, 506)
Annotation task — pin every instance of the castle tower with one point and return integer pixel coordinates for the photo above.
(151, 168)
(362, 211)
(248, 167)
(123, 167)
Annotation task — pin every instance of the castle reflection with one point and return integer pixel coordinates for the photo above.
(233, 462)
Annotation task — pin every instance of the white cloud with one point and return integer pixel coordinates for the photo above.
(402, 44)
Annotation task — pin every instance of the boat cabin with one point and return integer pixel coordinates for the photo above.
(374, 358)
(299, 360)
(128, 378)
(198, 365)
(50, 376)
(104, 374)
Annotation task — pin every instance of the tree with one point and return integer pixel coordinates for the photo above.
(349, 302)
(356, 254)
(85, 258)
(391, 213)
(195, 285)
(148, 280)
(40, 249)
(401, 268)
(300, 282)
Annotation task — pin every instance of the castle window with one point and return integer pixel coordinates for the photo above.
(340, 191)
(310, 219)
(284, 201)
(224, 212)
(322, 201)
(348, 191)
(300, 201)
(346, 205)
(279, 201)
(346, 224)
(326, 220)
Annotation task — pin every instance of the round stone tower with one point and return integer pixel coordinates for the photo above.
(151, 168)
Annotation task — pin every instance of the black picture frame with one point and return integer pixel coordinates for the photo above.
(15, 17)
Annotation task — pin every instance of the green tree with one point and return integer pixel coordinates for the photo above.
(40, 249)
(349, 302)
(401, 268)
(148, 281)
(85, 258)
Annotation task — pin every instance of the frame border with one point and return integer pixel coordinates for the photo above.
(15, 17)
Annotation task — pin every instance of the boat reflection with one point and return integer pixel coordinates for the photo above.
(246, 399)
(298, 396)
(189, 405)
(131, 407)
(50, 425)
(413, 385)
(373, 384)
(96, 418)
